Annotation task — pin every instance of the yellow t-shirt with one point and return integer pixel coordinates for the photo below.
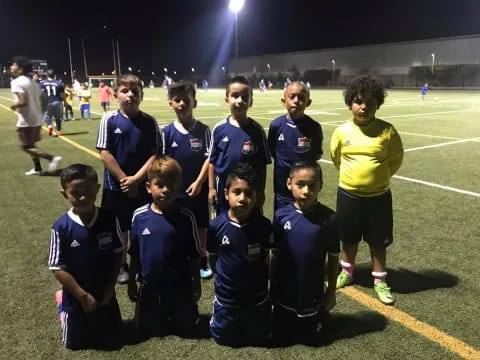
(85, 96)
(69, 96)
(367, 156)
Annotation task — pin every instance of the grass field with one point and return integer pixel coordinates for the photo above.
(432, 263)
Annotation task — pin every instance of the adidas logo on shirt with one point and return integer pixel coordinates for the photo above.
(74, 243)
(225, 240)
(281, 138)
(225, 139)
(287, 226)
(146, 231)
(117, 131)
(174, 144)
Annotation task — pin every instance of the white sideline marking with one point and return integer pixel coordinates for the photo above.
(422, 114)
(441, 144)
(431, 136)
(443, 187)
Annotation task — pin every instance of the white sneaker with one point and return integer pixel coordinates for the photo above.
(33, 172)
(54, 163)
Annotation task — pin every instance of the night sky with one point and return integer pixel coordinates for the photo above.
(199, 33)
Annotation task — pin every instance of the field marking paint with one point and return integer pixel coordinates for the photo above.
(431, 136)
(441, 144)
(75, 144)
(431, 333)
(426, 183)
(430, 113)
(443, 187)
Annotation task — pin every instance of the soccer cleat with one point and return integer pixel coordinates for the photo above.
(123, 276)
(206, 273)
(343, 280)
(50, 130)
(384, 294)
(54, 163)
(33, 172)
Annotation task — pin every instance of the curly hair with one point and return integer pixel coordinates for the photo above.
(364, 85)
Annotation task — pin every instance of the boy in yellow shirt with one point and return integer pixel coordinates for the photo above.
(85, 96)
(367, 151)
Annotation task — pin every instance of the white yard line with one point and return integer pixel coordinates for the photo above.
(423, 114)
(426, 183)
(441, 144)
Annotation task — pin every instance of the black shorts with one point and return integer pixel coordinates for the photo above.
(370, 218)
(158, 314)
(100, 329)
(122, 206)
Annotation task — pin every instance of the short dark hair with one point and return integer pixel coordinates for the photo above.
(51, 73)
(363, 85)
(306, 164)
(24, 63)
(181, 87)
(238, 80)
(76, 172)
(128, 80)
(242, 171)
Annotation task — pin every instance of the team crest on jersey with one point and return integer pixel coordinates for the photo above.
(104, 240)
(195, 144)
(303, 144)
(248, 148)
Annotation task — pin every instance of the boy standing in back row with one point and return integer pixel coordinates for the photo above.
(368, 152)
(291, 137)
(127, 141)
(187, 140)
(237, 138)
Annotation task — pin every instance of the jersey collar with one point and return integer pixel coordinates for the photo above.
(77, 219)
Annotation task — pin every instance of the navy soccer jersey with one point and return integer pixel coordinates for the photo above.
(303, 241)
(241, 269)
(189, 148)
(53, 89)
(131, 141)
(86, 251)
(232, 144)
(289, 141)
(164, 245)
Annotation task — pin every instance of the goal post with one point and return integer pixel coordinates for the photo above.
(94, 80)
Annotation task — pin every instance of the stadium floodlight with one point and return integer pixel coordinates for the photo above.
(433, 61)
(193, 69)
(130, 68)
(65, 73)
(153, 73)
(268, 67)
(165, 69)
(174, 72)
(139, 70)
(223, 68)
(333, 70)
(235, 6)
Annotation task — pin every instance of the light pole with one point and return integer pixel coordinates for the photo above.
(433, 61)
(333, 70)
(235, 6)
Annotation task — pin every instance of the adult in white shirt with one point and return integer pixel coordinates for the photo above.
(26, 94)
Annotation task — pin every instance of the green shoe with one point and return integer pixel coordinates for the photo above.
(343, 280)
(383, 292)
